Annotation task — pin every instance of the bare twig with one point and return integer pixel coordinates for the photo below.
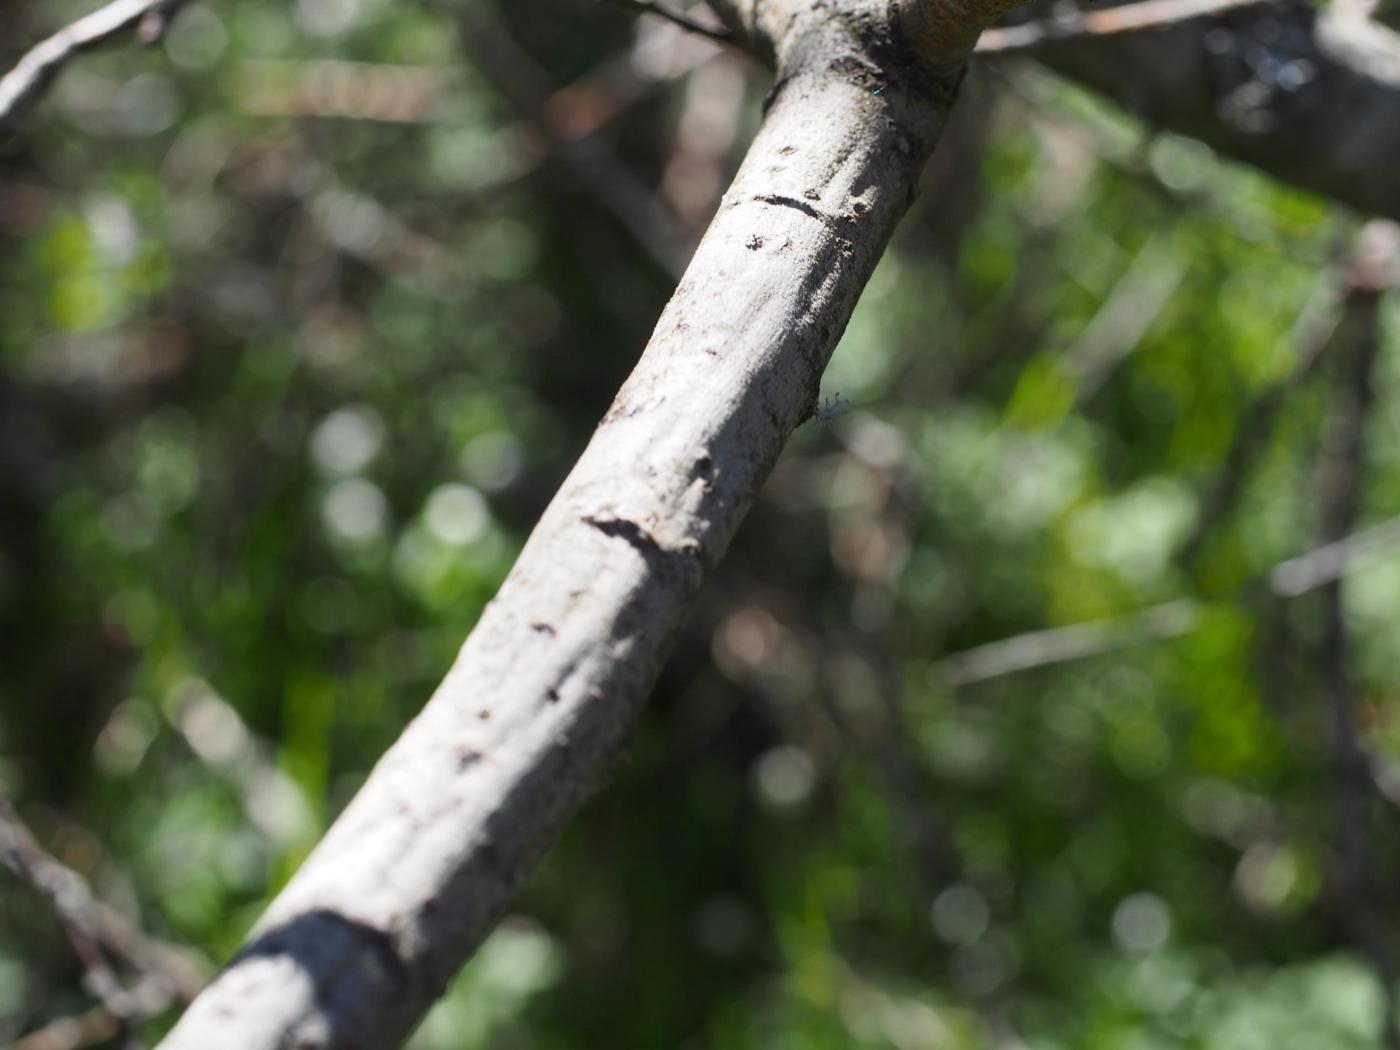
(1128, 18)
(73, 1033)
(520, 81)
(91, 927)
(1348, 299)
(680, 18)
(1332, 561)
(1347, 288)
(1126, 316)
(25, 84)
(149, 996)
(72, 905)
(1060, 645)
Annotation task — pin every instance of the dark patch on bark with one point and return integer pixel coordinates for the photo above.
(686, 557)
(343, 954)
(843, 226)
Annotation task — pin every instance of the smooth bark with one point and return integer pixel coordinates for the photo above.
(545, 691)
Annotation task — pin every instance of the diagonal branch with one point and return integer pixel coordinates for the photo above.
(23, 86)
(95, 931)
(1071, 23)
(1297, 576)
(594, 166)
(1343, 300)
(1312, 97)
(72, 906)
(545, 691)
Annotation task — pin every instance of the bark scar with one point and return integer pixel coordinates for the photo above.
(683, 554)
(840, 223)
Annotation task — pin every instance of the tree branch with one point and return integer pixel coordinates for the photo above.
(544, 693)
(24, 85)
(1344, 298)
(1060, 645)
(1311, 97)
(90, 927)
(594, 166)
(72, 906)
(1071, 23)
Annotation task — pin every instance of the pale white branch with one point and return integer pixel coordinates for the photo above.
(22, 86)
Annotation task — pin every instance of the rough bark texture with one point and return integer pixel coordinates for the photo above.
(546, 689)
(1311, 97)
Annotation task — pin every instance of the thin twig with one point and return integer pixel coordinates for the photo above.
(149, 996)
(73, 1033)
(1128, 18)
(1060, 645)
(595, 167)
(651, 7)
(22, 86)
(67, 895)
(92, 926)
(1129, 311)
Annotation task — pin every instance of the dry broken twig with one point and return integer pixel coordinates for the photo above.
(24, 85)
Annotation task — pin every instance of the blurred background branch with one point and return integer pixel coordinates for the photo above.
(23, 85)
(713, 31)
(162, 974)
(1069, 23)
